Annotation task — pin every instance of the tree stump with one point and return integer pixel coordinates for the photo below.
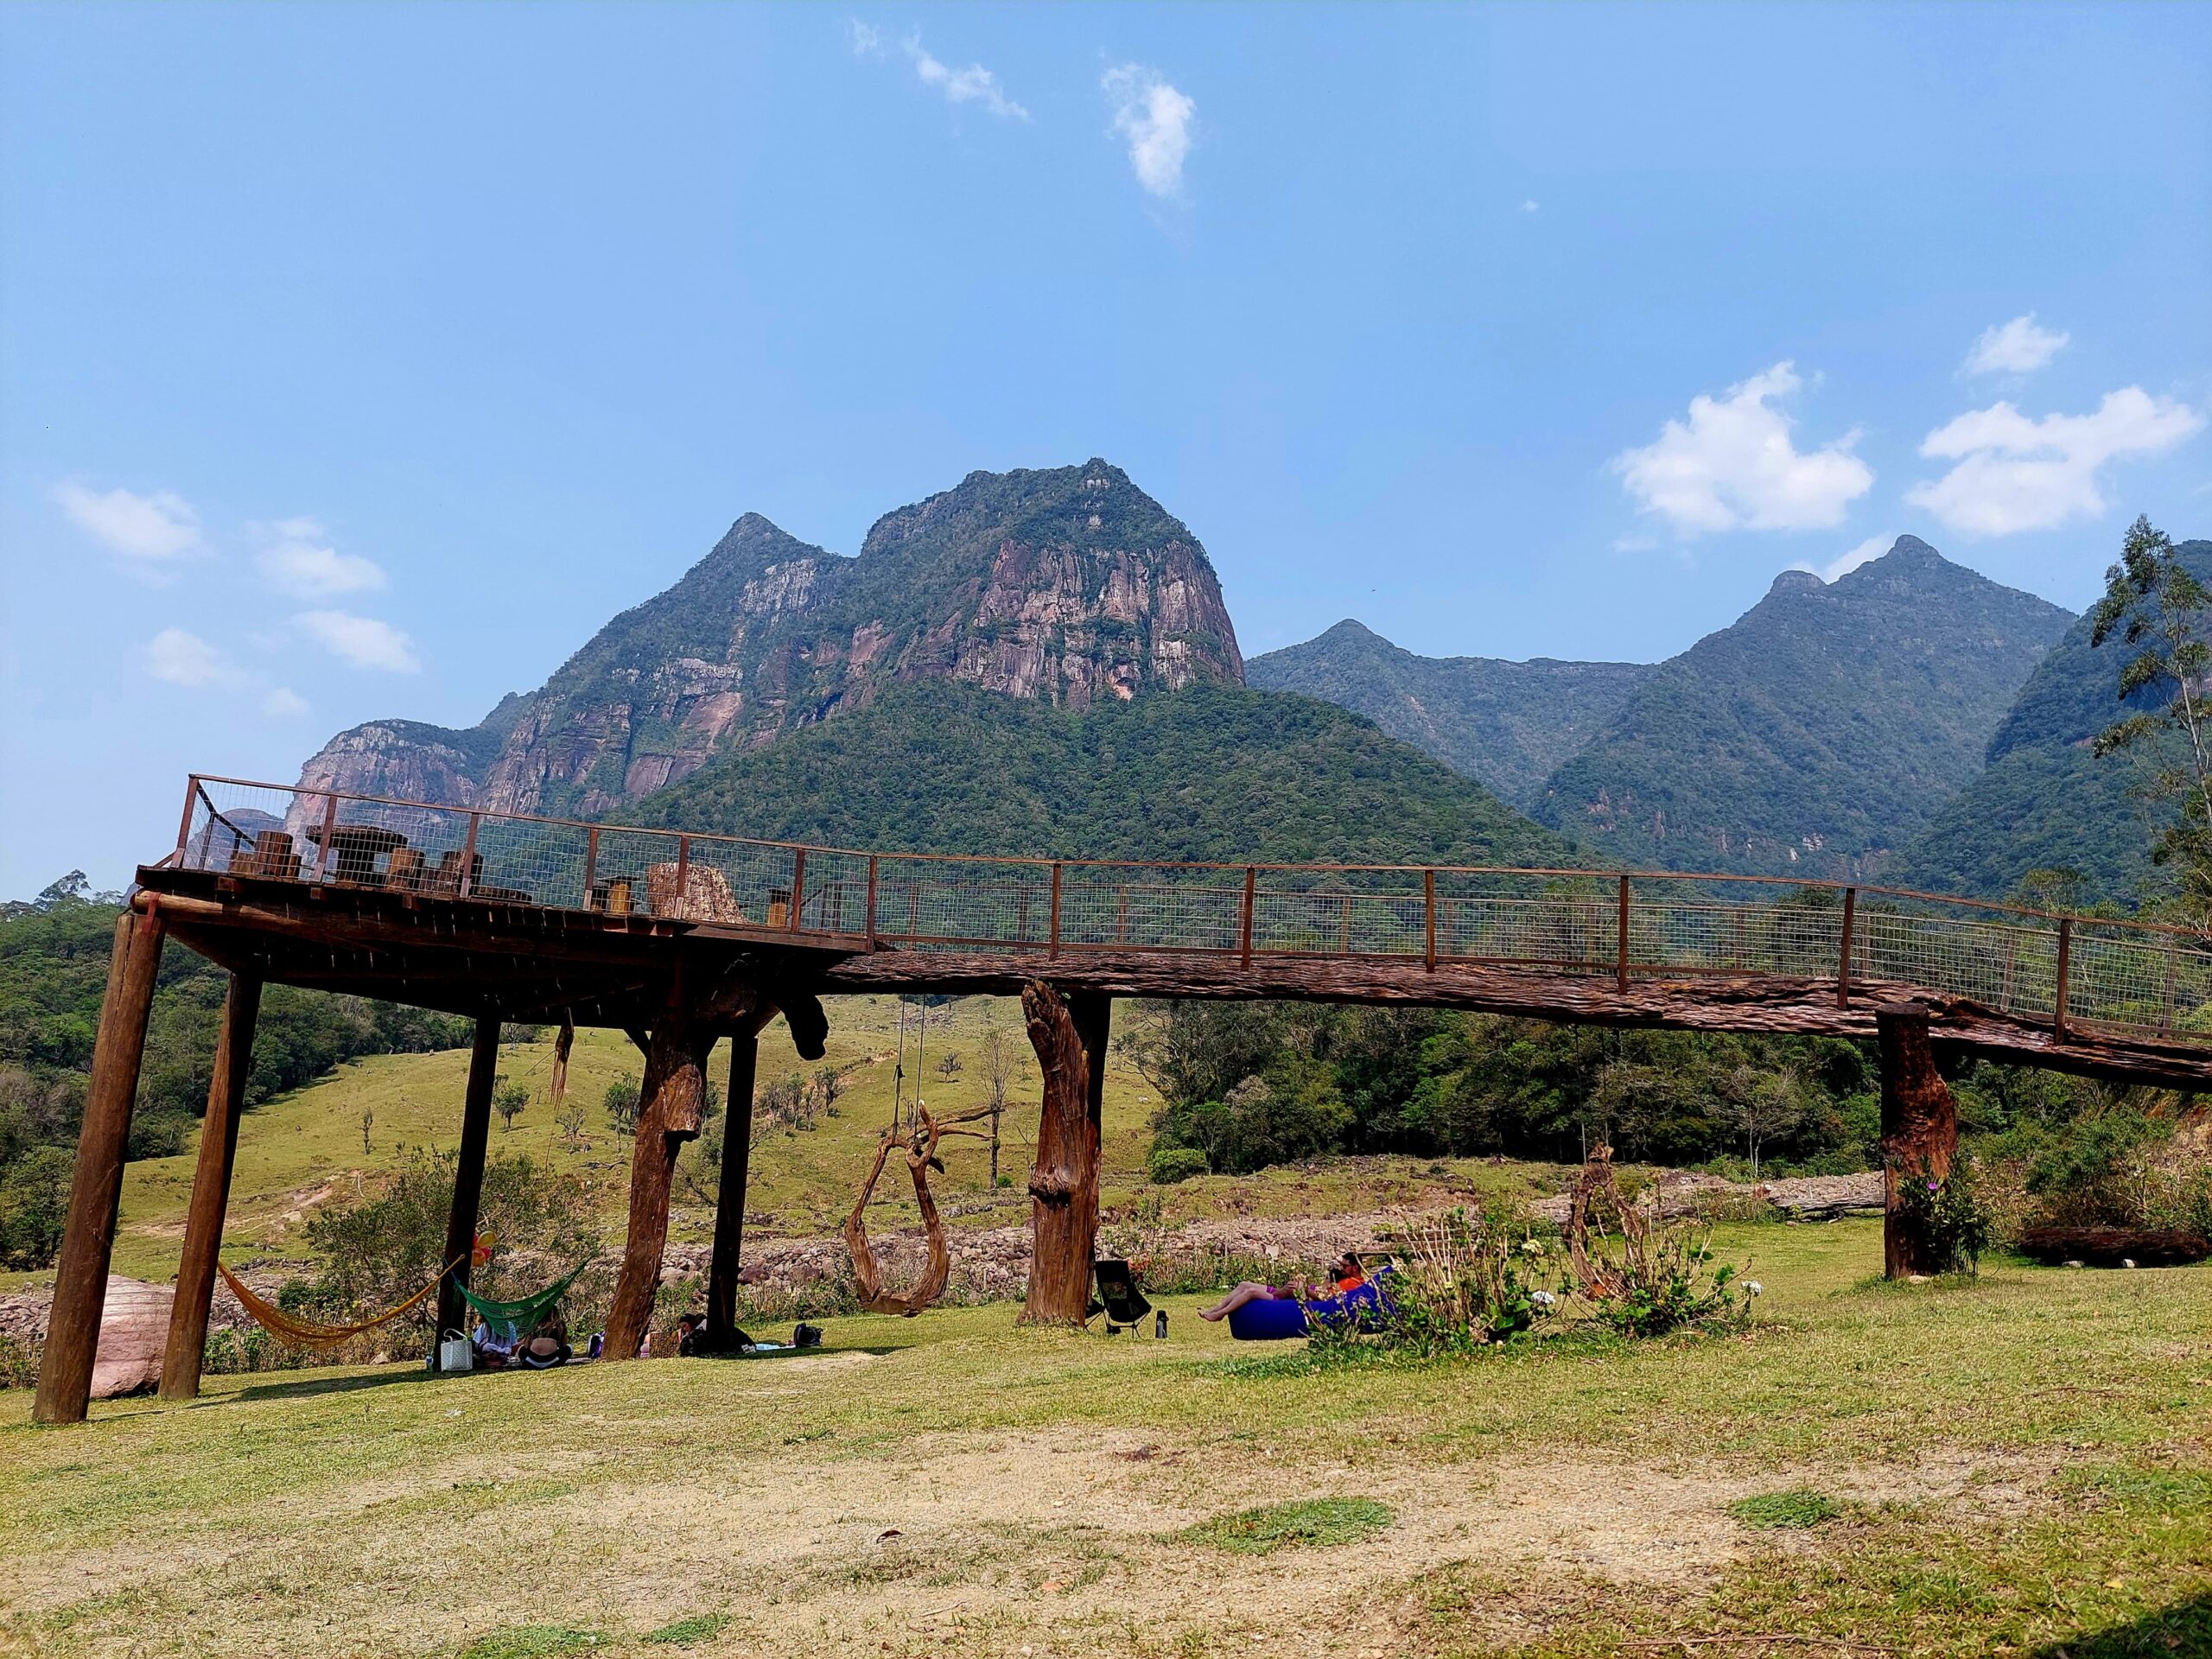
(1920, 1134)
(1069, 1037)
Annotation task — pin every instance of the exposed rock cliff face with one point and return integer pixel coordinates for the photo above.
(1065, 587)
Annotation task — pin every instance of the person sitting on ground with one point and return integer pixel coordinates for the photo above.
(1345, 1271)
(687, 1330)
(548, 1345)
(494, 1345)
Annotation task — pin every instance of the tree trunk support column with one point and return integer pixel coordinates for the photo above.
(468, 1176)
(64, 1376)
(729, 1204)
(1920, 1133)
(1069, 1037)
(675, 1099)
(211, 1191)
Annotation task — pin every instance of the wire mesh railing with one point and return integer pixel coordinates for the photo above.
(2068, 971)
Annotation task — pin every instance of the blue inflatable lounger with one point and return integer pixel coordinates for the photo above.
(1276, 1317)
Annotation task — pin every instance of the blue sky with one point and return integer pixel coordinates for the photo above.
(362, 361)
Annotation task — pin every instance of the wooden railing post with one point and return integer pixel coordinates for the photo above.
(1251, 889)
(1620, 950)
(468, 884)
(1843, 962)
(184, 824)
(798, 887)
(329, 831)
(591, 862)
(1052, 945)
(682, 875)
(2166, 1014)
(871, 901)
(2065, 963)
(1428, 897)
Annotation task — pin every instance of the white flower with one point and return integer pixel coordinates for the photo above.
(1754, 1287)
(1542, 1298)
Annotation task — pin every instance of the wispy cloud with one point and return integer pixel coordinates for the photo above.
(149, 533)
(282, 702)
(1529, 206)
(1733, 465)
(974, 85)
(297, 559)
(180, 657)
(2015, 473)
(361, 641)
(2016, 347)
(1154, 120)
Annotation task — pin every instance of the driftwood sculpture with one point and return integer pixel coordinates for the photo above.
(921, 1145)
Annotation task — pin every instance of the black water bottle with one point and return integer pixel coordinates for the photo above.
(1159, 1326)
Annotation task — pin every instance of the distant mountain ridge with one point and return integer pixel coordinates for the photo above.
(2046, 802)
(1508, 725)
(1816, 734)
(1067, 586)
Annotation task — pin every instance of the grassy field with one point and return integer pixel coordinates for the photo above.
(312, 1147)
(2015, 1464)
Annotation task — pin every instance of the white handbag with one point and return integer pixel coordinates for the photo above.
(454, 1353)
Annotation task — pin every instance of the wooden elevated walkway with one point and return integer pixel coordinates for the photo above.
(684, 940)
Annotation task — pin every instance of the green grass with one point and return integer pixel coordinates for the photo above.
(2019, 1460)
(1316, 1523)
(532, 1641)
(1771, 1510)
(688, 1632)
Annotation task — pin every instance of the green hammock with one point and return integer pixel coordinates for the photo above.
(524, 1315)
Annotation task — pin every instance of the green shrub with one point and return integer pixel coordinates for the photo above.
(1461, 1282)
(1948, 1216)
(1171, 1164)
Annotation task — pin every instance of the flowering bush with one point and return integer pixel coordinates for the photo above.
(1462, 1282)
(1948, 1216)
(1643, 1274)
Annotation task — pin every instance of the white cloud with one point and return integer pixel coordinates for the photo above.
(865, 39)
(283, 703)
(2014, 347)
(361, 641)
(183, 659)
(2015, 473)
(1844, 563)
(298, 560)
(154, 530)
(974, 85)
(1529, 206)
(1733, 465)
(1155, 120)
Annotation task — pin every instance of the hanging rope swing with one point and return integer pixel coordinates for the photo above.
(920, 1141)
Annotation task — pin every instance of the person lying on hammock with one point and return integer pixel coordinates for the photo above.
(1345, 1271)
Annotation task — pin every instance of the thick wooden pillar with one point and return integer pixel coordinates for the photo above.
(72, 1335)
(468, 1175)
(1069, 1037)
(211, 1191)
(729, 1202)
(1920, 1134)
(675, 1098)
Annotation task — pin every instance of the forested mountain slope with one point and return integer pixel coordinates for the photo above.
(1507, 725)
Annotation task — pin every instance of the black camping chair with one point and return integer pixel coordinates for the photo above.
(1118, 1297)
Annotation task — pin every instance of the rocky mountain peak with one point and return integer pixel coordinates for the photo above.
(1065, 585)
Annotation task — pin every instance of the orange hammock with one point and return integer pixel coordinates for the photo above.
(306, 1333)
